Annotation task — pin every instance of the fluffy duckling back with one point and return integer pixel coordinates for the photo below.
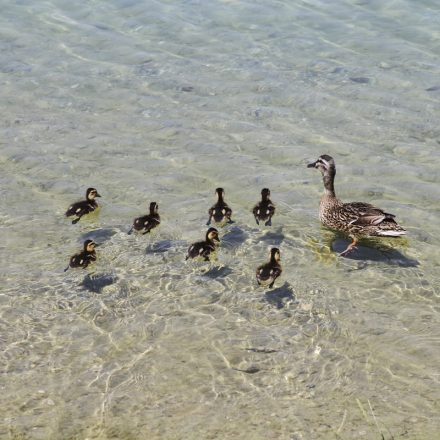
(205, 248)
(84, 258)
(220, 212)
(148, 222)
(269, 272)
(265, 209)
(84, 207)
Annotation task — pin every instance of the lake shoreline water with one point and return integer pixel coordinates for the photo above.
(165, 101)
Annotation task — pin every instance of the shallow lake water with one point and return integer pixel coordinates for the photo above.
(165, 101)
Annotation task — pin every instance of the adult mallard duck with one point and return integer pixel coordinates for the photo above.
(357, 219)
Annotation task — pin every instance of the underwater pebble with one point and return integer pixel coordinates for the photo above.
(360, 80)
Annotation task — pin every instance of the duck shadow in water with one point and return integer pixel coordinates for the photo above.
(273, 238)
(234, 237)
(95, 283)
(366, 250)
(99, 235)
(163, 246)
(218, 272)
(279, 296)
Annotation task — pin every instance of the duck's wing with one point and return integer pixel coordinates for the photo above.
(268, 274)
(78, 260)
(211, 212)
(228, 212)
(364, 214)
(139, 222)
(264, 272)
(255, 209)
(81, 208)
(195, 250)
(75, 209)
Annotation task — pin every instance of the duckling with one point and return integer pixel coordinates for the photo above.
(84, 258)
(356, 219)
(204, 248)
(146, 223)
(265, 209)
(220, 211)
(85, 207)
(269, 272)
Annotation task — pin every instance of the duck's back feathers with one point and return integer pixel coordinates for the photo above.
(268, 273)
(363, 217)
(146, 223)
(264, 211)
(82, 259)
(220, 212)
(81, 208)
(200, 249)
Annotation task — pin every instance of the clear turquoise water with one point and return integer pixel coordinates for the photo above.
(166, 101)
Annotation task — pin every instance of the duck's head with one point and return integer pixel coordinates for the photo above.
(275, 255)
(91, 193)
(89, 246)
(220, 192)
(212, 235)
(265, 193)
(154, 207)
(325, 164)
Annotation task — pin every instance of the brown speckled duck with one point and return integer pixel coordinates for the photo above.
(357, 219)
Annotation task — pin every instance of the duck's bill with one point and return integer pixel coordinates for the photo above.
(97, 195)
(312, 165)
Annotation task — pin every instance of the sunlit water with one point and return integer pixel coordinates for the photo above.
(165, 101)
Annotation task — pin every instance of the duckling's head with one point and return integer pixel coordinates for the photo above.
(220, 193)
(325, 164)
(275, 255)
(91, 193)
(89, 246)
(265, 193)
(212, 235)
(154, 207)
